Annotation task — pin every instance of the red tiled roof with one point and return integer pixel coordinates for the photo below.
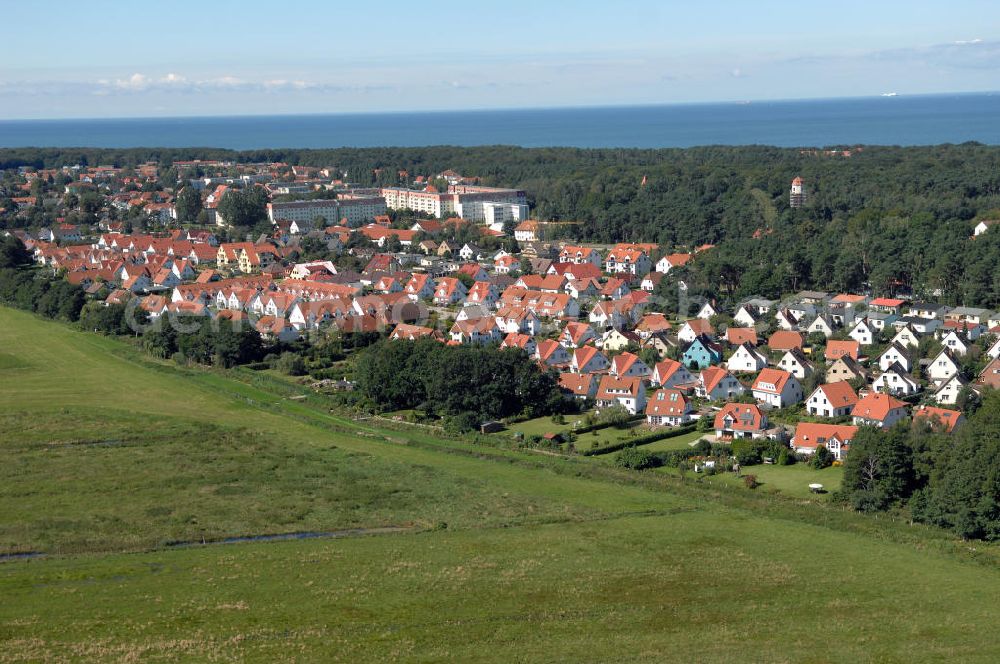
(946, 417)
(876, 406)
(745, 416)
(812, 435)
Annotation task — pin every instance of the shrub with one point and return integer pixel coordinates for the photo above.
(822, 458)
(703, 447)
(636, 459)
(291, 364)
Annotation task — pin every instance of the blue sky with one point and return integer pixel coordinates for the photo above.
(119, 59)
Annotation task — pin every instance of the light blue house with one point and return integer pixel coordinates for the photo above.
(701, 353)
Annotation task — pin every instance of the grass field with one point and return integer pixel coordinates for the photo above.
(506, 557)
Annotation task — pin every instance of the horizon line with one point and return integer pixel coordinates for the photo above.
(440, 111)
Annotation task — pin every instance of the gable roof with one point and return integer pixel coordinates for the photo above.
(712, 376)
(990, 375)
(839, 394)
(612, 388)
(699, 326)
(743, 416)
(944, 416)
(545, 349)
(577, 384)
(836, 348)
(620, 364)
(583, 355)
(784, 340)
(667, 368)
(814, 434)
(667, 403)
(737, 336)
(768, 377)
(876, 406)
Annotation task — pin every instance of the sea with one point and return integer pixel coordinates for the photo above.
(882, 120)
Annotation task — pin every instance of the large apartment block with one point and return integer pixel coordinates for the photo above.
(356, 209)
(470, 202)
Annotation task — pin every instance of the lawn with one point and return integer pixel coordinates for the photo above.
(682, 442)
(504, 556)
(538, 426)
(791, 480)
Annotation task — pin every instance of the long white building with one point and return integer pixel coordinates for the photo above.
(357, 210)
(433, 202)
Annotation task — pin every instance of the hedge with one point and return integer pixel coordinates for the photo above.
(642, 440)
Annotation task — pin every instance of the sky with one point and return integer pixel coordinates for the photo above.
(106, 58)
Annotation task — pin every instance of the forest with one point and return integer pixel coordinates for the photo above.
(948, 480)
(471, 383)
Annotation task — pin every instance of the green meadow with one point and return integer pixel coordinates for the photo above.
(452, 552)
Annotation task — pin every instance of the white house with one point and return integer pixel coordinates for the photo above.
(794, 362)
(878, 410)
(862, 333)
(942, 367)
(668, 408)
(776, 388)
(994, 350)
(470, 252)
(551, 353)
(947, 394)
(707, 311)
(954, 343)
(920, 324)
(906, 337)
(746, 316)
(895, 355)
(984, 226)
(823, 325)
(627, 260)
(476, 331)
(671, 373)
(518, 319)
(832, 400)
(628, 365)
(786, 320)
(692, 328)
(717, 384)
(588, 360)
(607, 314)
(670, 261)
(629, 392)
(746, 359)
(896, 382)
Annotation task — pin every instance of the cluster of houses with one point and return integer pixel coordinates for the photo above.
(584, 311)
(760, 363)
